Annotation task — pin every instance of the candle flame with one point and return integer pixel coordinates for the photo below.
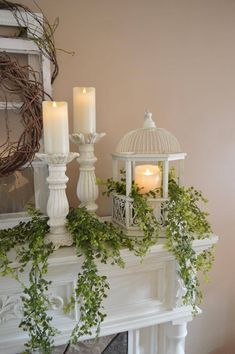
(84, 90)
(54, 104)
(148, 172)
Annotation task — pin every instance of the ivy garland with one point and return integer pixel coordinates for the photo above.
(185, 223)
(95, 240)
(102, 241)
(143, 211)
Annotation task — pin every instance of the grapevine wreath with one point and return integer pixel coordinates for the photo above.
(21, 81)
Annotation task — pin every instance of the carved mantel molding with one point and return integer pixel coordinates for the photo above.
(144, 299)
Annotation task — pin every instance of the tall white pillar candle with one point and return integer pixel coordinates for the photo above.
(55, 127)
(84, 111)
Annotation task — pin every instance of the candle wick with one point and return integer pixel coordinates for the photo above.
(54, 104)
(147, 172)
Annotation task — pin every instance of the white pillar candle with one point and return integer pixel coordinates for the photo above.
(55, 127)
(84, 111)
(148, 177)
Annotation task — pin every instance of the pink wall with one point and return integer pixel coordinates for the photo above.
(176, 58)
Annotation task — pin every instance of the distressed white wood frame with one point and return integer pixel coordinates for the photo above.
(28, 47)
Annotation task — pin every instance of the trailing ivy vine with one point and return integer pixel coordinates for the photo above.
(95, 240)
(28, 241)
(143, 212)
(101, 242)
(184, 223)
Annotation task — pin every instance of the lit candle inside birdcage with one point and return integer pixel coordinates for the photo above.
(148, 178)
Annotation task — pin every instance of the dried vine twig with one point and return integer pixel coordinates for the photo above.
(21, 81)
(43, 36)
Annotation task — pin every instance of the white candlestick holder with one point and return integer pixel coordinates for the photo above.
(87, 189)
(57, 205)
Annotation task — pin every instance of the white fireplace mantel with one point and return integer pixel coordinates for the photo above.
(144, 299)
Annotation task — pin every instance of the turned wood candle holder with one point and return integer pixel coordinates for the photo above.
(87, 189)
(57, 205)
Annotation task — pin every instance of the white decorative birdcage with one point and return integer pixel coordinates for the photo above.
(146, 155)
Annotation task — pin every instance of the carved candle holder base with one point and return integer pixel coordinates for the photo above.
(57, 205)
(87, 189)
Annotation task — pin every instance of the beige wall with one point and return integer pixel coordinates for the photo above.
(177, 58)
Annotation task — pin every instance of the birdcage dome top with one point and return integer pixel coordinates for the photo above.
(149, 140)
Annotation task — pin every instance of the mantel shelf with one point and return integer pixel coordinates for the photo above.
(67, 255)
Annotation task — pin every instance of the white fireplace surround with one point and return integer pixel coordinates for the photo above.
(144, 299)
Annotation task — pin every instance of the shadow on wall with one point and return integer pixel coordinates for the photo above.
(229, 348)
